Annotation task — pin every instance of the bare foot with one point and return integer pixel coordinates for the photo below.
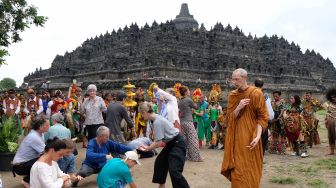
(25, 184)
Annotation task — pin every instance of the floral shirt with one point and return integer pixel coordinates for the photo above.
(93, 110)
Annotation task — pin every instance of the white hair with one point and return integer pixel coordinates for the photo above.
(102, 130)
(241, 71)
(92, 86)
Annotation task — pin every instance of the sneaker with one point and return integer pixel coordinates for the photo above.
(293, 153)
(304, 155)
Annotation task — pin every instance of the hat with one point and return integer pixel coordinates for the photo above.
(132, 155)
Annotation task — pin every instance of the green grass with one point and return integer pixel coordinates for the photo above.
(283, 180)
(316, 183)
(281, 169)
(309, 171)
(329, 164)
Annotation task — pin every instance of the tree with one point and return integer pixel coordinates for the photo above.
(15, 17)
(7, 83)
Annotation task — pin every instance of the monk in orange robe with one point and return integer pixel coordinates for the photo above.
(247, 118)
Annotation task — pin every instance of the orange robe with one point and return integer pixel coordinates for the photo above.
(242, 166)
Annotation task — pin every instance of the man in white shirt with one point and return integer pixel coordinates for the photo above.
(260, 83)
(171, 106)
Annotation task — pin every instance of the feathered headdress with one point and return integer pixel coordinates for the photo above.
(73, 89)
(177, 90)
(197, 94)
(150, 90)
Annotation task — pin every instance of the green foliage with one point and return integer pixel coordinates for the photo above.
(316, 183)
(329, 163)
(7, 83)
(15, 17)
(9, 134)
(283, 180)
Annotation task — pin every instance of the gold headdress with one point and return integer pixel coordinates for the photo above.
(150, 90)
(215, 93)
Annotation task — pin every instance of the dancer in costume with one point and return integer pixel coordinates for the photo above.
(214, 110)
(223, 125)
(33, 107)
(295, 126)
(197, 117)
(57, 104)
(11, 104)
(140, 123)
(310, 106)
(330, 106)
(205, 118)
(277, 128)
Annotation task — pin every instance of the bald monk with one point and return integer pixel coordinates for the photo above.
(247, 118)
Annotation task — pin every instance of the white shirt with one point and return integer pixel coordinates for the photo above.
(40, 104)
(43, 175)
(171, 106)
(269, 107)
(11, 106)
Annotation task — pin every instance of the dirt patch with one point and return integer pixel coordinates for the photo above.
(316, 171)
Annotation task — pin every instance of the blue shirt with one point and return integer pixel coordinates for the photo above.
(204, 107)
(163, 111)
(96, 155)
(31, 147)
(67, 164)
(135, 144)
(114, 173)
(57, 130)
(45, 105)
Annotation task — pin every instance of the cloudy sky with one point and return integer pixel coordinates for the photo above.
(309, 23)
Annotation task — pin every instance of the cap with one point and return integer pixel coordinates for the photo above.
(132, 155)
